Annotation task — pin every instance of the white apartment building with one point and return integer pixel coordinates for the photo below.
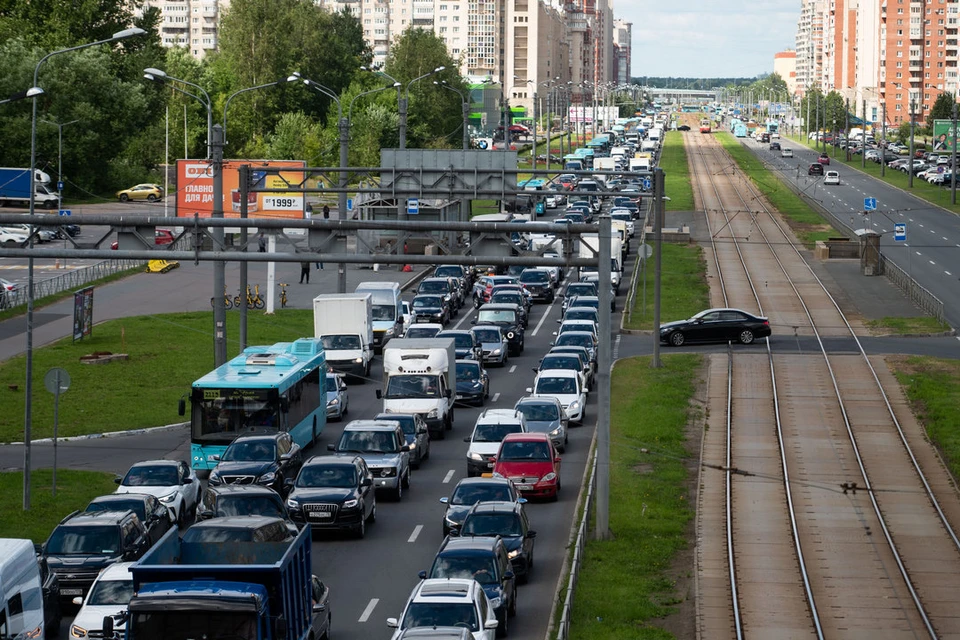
(188, 23)
(809, 42)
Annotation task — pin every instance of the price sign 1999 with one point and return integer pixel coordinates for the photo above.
(285, 203)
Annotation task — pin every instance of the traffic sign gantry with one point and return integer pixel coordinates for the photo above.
(900, 231)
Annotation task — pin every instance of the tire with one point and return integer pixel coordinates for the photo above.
(405, 480)
(512, 611)
(677, 339)
(181, 517)
(124, 197)
(503, 629)
(151, 198)
(746, 337)
(398, 492)
(361, 529)
(259, 303)
(373, 513)
(236, 301)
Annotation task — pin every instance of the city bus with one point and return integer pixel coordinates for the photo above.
(276, 387)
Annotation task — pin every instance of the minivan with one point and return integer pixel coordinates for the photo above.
(20, 587)
(386, 309)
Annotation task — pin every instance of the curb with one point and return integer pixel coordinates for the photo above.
(108, 434)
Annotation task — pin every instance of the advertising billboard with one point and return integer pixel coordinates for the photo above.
(943, 135)
(195, 189)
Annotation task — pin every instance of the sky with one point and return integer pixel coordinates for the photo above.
(708, 38)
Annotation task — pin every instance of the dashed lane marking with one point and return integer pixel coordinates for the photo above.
(447, 478)
(512, 369)
(369, 610)
(496, 396)
(416, 532)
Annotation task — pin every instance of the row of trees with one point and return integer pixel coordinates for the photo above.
(123, 121)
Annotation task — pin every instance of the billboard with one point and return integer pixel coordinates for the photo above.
(943, 135)
(195, 189)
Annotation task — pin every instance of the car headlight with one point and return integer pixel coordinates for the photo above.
(214, 478)
(495, 602)
(513, 554)
(77, 632)
(412, 445)
(169, 498)
(358, 360)
(333, 402)
(574, 406)
(268, 477)
(473, 455)
(350, 504)
(495, 352)
(550, 477)
(389, 332)
(555, 432)
(293, 503)
(432, 413)
(450, 521)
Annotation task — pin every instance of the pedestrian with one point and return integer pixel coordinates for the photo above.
(309, 212)
(262, 242)
(305, 272)
(326, 212)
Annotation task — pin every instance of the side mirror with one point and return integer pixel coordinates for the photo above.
(530, 389)
(286, 456)
(285, 407)
(467, 439)
(107, 624)
(444, 500)
(182, 407)
(77, 601)
(331, 447)
(204, 514)
(509, 575)
(422, 575)
(379, 394)
(491, 624)
(366, 482)
(393, 623)
(474, 321)
(531, 534)
(117, 480)
(493, 459)
(447, 393)
(188, 480)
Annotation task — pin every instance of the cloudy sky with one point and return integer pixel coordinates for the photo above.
(708, 38)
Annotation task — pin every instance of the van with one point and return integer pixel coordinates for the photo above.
(387, 311)
(20, 586)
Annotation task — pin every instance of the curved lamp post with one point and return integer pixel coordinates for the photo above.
(405, 101)
(465, 105)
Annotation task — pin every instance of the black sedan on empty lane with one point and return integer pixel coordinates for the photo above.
(716, 325)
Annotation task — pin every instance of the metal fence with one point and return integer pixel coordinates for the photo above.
(563, 626)
(73, 279)
(914, 290)
(632, 293)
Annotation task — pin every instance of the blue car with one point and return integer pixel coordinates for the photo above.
(473, 383)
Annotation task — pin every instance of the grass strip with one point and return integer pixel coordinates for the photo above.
(21, 309)
(677, 184)
(626, 583)
(75, 489)
(684, 289)
(908, 326)
(166, 354)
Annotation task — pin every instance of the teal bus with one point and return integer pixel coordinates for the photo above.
(276, 387)
(586, 155)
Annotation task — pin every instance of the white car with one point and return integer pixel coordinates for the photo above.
(831, 177)
(109, 595)
(447, 602)
(173, 482)
(786, 153)
(407, 314)
(43, 235)
(491, 427)
(423, 330)
(625, 216)
(566, 386)
(12, 238)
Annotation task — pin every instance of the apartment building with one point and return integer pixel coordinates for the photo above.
(188, 23)
(785, 66)
(809, 41)
(537, 53)
(622, 50)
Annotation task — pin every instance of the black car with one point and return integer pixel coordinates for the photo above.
(473, 383)
(716, 325)
(416, 433)
(270, 459)
(152, 513)
(430, 308)
(334, 492)
(537, 282)
(242, 500)
(509, 521)
(774, 146)
(465, 344)
(683, 127)
(231, 529)
(509, 318)
(50, 588)
(84, 543)
(441, 287)
(486, 561)
(513, 294)
(469, 492)
(815, 169)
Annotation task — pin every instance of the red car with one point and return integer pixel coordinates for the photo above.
(531, 462)
(161, 236)
(823, 159)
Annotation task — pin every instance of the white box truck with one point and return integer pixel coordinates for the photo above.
(21, 608)
(590, 247)
(344, 323)
(387, 311)
(640, 164)
(420, 376)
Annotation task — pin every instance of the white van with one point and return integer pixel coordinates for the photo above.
(387, 311)
(22, 613)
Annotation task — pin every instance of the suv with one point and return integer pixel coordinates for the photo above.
(154, 516)
(334, 492)
(509, 318)
(241, 500)
(489, 431)
(415, 433)
(441, 287)
(173, 482)
(268, 459)
(508, 520)
(469, 492)
(538, 283)
(485, 560)
(383, 447)
(447, 603)
(815, 169)
(84, 543)
(232, 529)
(109, 595)
(465, 344)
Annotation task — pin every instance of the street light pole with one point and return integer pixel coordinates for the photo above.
(59, 126)
(404, 104)
(465, 105)
(910, 166)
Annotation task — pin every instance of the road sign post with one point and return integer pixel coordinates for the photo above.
(900, 231)
(56, 381)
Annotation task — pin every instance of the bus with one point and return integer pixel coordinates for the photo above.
(277, 387)
(705, 125)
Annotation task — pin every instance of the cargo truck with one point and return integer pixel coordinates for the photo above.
(15, 189)
(236, 591)
(344, 323)
(420, 376)
(590, 248)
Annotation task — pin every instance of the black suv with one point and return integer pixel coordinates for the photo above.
(269, 459)
(242, 500)
(486, 561)
(84, 543)
(815, 169)
(509, 318)
(441, 287)
(334, 492)
(509, 521)
(537, 282)
(152, 513)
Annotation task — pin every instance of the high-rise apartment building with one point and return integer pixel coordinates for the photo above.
(189, 23)
(809, 42)
(622, 49)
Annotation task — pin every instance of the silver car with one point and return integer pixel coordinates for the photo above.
(383, 447)
(338, 402)
(545, 414)
(493, 344)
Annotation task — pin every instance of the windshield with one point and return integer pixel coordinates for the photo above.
(583, 314)
(581, 290)
(224, 417)
(320, 476)
(84, 541)
(494, 432)
(496, 315)
(539, 412)
(561, 362)
(553, 385)
(425, 302)
(250, 451)
(106, 592)
(576, 339)
(368, 442)
(137, 506)
(177, 624)
(508, 298)
(250, 506)
(467, 371)
(435, 286)
(448, 272)
(334, 343)
(421, 332)
(447, 614)
(487, 335)
(332, 383)
(524, 451)
(491, 524)
(412, 386)
(383, 312)
(476, 567)
(534, 277)
(473, 493)
(147, 476)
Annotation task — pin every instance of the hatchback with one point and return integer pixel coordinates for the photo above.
(531, 462)
(831, 177)
(509, 521)
(815, 169)
(824, 159)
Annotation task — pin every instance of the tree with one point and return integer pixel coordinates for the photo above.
(942, 109)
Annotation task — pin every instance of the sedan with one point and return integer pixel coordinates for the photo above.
(338, 402)
(430, 308)
(267, 459)
(469, 492)
(415, 432)
(148, 192)
(473, 383)
(716, 325)
(545, 415)
(493, 343)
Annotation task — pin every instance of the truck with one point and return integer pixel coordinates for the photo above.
(235, 591)
(387, 311)
(640, 164)
(420, 376)
(605, 164)
(590, 248)
(344, 322)
(15, 189)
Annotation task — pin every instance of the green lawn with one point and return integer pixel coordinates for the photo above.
(75, 489)
(167, 353)
(684, 289)
(677, 185)
(625, 583)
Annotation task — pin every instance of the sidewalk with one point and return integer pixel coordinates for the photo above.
(188, 288)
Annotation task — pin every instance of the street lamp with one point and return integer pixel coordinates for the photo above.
(465, 104)
(59, 126)
(404, 102)
(536, 100)
(33, 92)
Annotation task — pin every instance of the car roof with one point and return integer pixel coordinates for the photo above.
(117, 571)
(453, 332)
(494, 416)
(120, 497)
(482, 480)
(476, 544)
(488, 327)
(253, 437)
(529, 436)
(371, 425)
(496, 506)
(234, 489)
(445, 590)
(500, 306)
(96, 517)
(155, 463)
(557, 373)
(437, 633)
(236, 522)
(538, 400)
(343, 460)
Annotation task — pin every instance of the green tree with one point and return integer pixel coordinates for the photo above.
(942, 109)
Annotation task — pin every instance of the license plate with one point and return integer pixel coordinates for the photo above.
(524, 487)
(459, 397)
(321, 515)
(71, 592)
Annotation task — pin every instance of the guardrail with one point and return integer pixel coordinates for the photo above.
(563, 626)
(917, 293)
(73, 279)
(632, 294)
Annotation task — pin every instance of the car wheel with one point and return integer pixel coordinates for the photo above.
(503, 629)
(124, 197)
(361, 529)
(151, 198)
(181, 518)
(513, 605)
(398, 492)
(746, 336)
(373, 513)
(677, 338)
(406, 480)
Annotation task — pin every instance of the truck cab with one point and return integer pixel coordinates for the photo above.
(420, 377)
(387, 311)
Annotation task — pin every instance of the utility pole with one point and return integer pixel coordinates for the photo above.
(883, 134)
(953, 153)
(344, 126)
(535, 123)
(846, 125)
(863, 140)
(219, 267)
(603, 383)
(243, 179)
(658, 261)
(910, 161)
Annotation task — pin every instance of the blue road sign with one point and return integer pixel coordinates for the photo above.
(413, 206)
(64, 212)
(646, 184)
(869, 204)
(60, 185)
(349, 204)
(900, 231)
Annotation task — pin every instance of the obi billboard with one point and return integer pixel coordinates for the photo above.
(195, 189)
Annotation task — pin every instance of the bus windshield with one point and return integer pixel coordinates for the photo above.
(221, 419)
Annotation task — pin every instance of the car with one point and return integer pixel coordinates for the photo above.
(416, 433)
(775, 146)
(50, 590)
(269, 459)
(514, 297)
(531, 462)
(334, 492)
(454, 271)
(538, 282)
(493, 344)
(320, 603)
(83, 544)
(567, 325)
(510, 320)
(109, 596)
(173, 482)
(824, 159)
(566, 386)
(786, 153)
(406, 315)
(815, 169)
(716, 325)
(423, 330)
(383, 447)
(626, 217)
(338, 400)
(146, 191)
(430, 308)
(7, 285)
(473, 383)
(447, 603)
(441, 287)
(509, 521)
(484, 559)
(470, 491)
(567, 360)
(160, 237)
(42, 234)
(465, 344)
(436, 633)
(831, 177)
(588, 314)
(154, 515)
(242, 500)
(544, 414)
(490, 428)
(584, 339)
(575, 289)
(483, 287)
(231, 529)
(683, 127)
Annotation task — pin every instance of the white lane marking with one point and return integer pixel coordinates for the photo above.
(948, 273)
(944, 237)
(416, 532)
(918, 253)
(616, 348)
(496, 396)
(447, 478)
(546, 314)
(369, 610)
(931, 262)
(512, 369)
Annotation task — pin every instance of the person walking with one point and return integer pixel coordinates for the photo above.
(305, 272)
(262, 241)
